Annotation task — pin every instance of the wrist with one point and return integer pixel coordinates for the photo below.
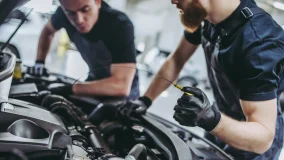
(74, 88)
(40, 61)
(66, 90)
(146, 100)
(71, 89)
(212, 122)
(217, 127)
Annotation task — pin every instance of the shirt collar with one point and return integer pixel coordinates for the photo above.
(227, 23)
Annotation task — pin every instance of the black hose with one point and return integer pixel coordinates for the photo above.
(51, 99)
(110, 129)
(96, 139)
(58, 105)
(139, 152)
(79, 117)
(44, 154)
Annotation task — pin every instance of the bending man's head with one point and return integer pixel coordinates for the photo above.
(82, 14)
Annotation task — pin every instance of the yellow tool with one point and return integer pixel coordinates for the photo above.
(180, 88)
(176, 85)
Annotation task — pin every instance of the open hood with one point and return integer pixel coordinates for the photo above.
(7, 60)
(7, 6)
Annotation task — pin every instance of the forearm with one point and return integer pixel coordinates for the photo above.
(106, 87)
(44, 44)
(248, 136)
(169, 70)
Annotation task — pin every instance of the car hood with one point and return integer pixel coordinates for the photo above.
(7, 6)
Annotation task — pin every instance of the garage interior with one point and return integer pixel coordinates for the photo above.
(157, 33)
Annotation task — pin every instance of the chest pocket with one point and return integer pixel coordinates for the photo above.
(225, 92)
(95, 54)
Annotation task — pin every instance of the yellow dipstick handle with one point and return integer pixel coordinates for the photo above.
(180, 88)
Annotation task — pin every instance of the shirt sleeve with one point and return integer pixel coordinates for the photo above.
(195, 37)
(260, 72)
(57, 19)
(121, 44)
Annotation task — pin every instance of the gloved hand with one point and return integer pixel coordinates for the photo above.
(60, 89)
(137, 107)
(196, 110)
(38, 69)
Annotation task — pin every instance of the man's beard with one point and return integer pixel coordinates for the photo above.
(193, 15)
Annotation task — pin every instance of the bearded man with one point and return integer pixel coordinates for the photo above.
(244, 50)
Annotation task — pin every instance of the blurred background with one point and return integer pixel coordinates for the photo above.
(158, 31)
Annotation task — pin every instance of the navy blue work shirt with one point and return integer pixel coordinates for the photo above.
(246, 64)
(111, 41)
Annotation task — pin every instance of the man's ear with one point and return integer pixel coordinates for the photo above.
(98, 3)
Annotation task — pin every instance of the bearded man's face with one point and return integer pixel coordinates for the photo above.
(192, 14)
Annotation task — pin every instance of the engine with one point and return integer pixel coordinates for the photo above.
(56, 130)
(37, 125)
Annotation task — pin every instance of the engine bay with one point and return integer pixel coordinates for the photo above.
(40, 125)
(36, 125)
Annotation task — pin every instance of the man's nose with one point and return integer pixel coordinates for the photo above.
(174, 1)
(79, 18)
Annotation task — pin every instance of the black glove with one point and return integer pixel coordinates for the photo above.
(137, 107)
(38, 69)
(196, 110)
(60, 89)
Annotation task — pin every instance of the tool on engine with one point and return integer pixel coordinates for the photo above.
(180, 88)
(174, 84)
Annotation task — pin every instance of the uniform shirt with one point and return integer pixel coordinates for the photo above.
(246, 64)
(110, 41)
(252, 57)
